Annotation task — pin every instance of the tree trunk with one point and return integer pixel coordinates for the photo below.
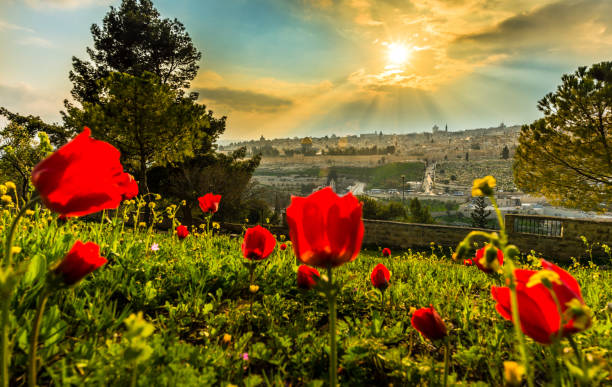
(187, 217)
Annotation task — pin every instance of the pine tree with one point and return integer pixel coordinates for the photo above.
(566, 156)
(480, 214)
(505, 153)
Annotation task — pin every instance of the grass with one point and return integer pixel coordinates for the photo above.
(196, 292)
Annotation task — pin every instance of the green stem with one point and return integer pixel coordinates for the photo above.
(251, 273)
(446, 362)
(32, 368)
(133, 379)
(500, 219)
(333, 350)
(5, 340)
(517, 322)
(7, 262)
(382, 300)
(576, 351)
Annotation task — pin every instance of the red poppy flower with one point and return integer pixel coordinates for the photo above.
(481, 260)
(386, 252)
(82, 177)
(538, 311)
(209, 202)
(283, 247)
(182, 231)
(428, 322)
(305, 277)
(258, 243)
(81, 260)
(468, 262)
(380, 277)
(326, 229)
(130, 187)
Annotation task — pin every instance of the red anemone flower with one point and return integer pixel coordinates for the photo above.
(480, 259)
(258, 243)
(538, 311)
(305, 277)
(380, 277)
(468, 262)
(130, 187)
(81, 260)
(326, 229)
(386, 252)
(429, 323)
(82, 177)
(209, 202)
(182, 231)
(283, 247)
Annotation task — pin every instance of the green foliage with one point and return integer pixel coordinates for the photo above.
(195, 291)
(227, 175)
(567, 155)
(20, 152)
(134, 39)
(145, 119)
(33, 125)
(418, 213)
(376, 209)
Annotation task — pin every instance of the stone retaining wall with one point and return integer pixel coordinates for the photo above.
(381, 233)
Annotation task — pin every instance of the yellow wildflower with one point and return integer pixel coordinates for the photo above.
(513, 373)
(6, 199)
(142, 224)
(484, 186)
(227, 338)
(3, 189)
(10, 185)
(29, 212)
(157, 197)
(253, 288)
(16, 249)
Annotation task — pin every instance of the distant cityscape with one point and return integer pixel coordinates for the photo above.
(437, 166)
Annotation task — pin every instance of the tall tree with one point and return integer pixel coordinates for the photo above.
(133, 39)
(146, 120)
(480, 213)
(567, 155)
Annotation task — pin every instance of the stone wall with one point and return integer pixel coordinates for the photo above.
(381, 233)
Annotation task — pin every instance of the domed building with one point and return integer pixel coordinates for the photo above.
(306, 144)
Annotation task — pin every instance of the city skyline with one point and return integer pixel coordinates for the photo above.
(300, 68)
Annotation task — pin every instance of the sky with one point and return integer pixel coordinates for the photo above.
(285, 68)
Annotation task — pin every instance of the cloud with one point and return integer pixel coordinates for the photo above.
(583, 25)
(4, 26)
(244, 100)
(40, 4)
(25, 99)
(36, 41)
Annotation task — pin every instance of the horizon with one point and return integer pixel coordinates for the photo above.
(285, 69)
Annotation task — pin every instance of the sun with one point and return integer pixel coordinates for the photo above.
(397, 54)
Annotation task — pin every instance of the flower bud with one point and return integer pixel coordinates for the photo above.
(513, 373)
